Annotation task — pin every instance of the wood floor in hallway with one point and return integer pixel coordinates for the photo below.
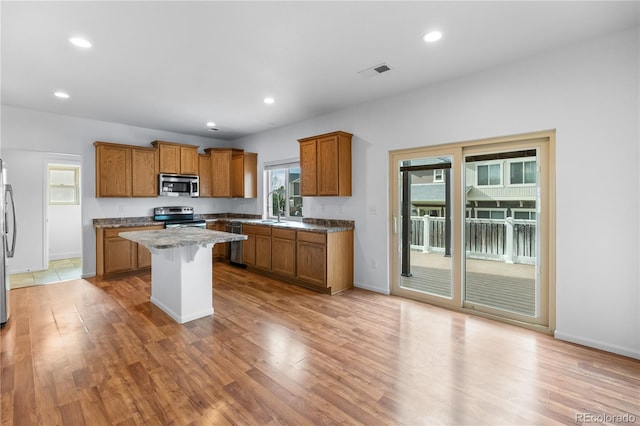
(97, 352)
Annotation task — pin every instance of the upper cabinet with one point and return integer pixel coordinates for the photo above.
(244, 174)
(177, 158)
(132, 171)
(204, 173)
(125, 171)
(144, 172)
(113, 170)
(325, 165)
(233, 173)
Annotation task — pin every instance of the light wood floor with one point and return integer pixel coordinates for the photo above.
(93, 352)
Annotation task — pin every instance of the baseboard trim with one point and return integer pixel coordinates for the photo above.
(620, 350)
(374, 289)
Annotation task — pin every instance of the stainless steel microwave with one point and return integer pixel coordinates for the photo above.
(178, 185)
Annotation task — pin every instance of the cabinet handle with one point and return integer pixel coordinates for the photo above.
(395, 225)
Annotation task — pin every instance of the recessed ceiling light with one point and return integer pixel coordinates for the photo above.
(432, 36)
(61, 95)
(80, 42)
(211, 124)
(269, 101)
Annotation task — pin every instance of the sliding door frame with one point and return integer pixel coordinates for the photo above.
(547, 251)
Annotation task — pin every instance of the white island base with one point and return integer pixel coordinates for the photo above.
(181, 268)
(181, 282)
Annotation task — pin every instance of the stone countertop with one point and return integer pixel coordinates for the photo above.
(125, 222)
(180, 237)
(307, 224)
(323, 226)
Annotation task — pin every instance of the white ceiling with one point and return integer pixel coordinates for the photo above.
(176, 65)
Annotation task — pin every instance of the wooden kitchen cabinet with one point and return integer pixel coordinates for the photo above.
(144, 172)
(256, 249)
(325, 165)
(321, 261)
(177, 158)
(234, 173)
(244, 175)
(220, 171)
(116, 256)
(283, 252)
(113, 170)
(325, 260)
(204, 173)
(220, 250)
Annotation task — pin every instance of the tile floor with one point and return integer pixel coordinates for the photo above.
(59, 270)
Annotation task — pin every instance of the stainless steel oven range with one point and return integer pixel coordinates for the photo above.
(177, 217)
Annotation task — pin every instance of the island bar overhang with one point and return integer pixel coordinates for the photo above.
(181, 269)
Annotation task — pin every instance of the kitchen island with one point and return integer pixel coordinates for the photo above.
(181, 268)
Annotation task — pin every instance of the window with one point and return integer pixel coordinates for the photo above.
(524, 214)
(489, 174)
(63, 185)
(523, 172)
(438, 175)
(283, 190)
(490, 214)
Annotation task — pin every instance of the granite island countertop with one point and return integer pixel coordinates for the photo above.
(307, 224)
(180, 237)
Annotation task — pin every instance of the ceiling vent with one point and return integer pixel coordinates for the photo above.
(373, 71)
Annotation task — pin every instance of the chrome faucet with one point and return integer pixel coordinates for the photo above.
(278, 191)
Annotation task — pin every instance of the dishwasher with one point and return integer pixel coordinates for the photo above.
(235, 247)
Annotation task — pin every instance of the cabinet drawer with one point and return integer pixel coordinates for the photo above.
(285, 234)
(312, 237)
(256, 230)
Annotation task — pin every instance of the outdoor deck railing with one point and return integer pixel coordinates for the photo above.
(507, 240)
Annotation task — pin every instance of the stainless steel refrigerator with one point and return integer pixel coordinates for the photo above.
(7, 227)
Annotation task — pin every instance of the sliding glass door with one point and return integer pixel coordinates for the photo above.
(471, 225)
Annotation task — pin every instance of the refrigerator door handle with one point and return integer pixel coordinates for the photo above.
(10, 251)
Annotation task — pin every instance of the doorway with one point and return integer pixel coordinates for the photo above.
(473, 227)
(47, 190)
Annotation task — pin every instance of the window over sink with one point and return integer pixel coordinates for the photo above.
(282, 190)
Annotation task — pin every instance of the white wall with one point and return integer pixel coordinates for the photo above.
(590, 94)
(27, 137)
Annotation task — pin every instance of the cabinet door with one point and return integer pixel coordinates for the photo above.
(169, 158)
(327, 151)
(204, 173)
(312, 263)
(221, 173)
(308, 168)
(113, 171)
(237, 176)
(119, 255)
(283, 256)
(249, 250)
(144, 257)
(144, 173)
(263, 252)
(188, 160)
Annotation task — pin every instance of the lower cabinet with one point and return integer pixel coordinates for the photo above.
(312, 258)
(256, 249)
(317, 260)
(283, 252)
(220, 250)
(116, 256)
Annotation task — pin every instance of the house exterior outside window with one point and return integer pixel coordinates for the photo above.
(489, 174)
(522, 173)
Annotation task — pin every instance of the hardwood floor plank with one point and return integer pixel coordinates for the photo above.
(98, 352)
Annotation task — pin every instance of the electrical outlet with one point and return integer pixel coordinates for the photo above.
(373, 264)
